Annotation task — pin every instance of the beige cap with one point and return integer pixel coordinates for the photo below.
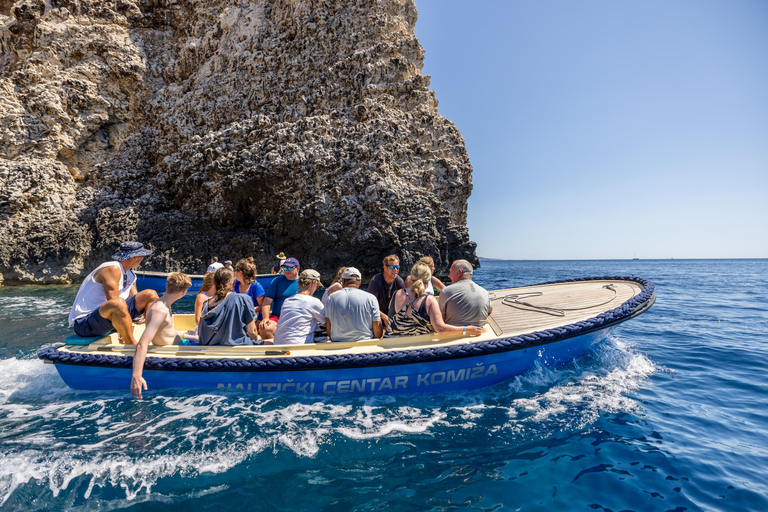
(313, 275)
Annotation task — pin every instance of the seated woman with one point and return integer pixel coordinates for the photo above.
(301, 313)
(413, 311)
(434, 283)
(228, 317)
(206, 292)
(334, 286)
(245, 282)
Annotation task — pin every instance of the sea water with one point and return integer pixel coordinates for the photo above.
(669, 413)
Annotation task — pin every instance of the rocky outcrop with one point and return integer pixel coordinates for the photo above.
(227, 127)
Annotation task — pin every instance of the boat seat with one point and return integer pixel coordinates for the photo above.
(82, 340)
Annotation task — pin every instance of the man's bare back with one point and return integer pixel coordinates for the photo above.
(165, 334)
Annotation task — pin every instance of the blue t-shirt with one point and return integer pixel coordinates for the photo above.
(254, 292)
(279, 290)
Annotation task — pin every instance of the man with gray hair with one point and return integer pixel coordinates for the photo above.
(464, 302)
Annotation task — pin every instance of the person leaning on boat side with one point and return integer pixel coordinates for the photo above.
(464, 302)
(352, 314)
(413, 311)
(245, 275)
(434, 283)
(159, 329)
(302, 313)
(385, 284)
(206, 292)
(228, 317)
(107, 300)
(334, 287)
(279, 289)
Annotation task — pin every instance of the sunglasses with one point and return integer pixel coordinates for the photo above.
(393, 267)
(288, 269)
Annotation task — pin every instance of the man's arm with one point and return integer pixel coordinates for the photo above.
(155, 320)
(266, 307)
(109, 277)
(134, 290)
(328, 327)
(442, 301)
(378, 329)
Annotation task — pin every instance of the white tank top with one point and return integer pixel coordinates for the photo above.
(91, 294)
(429, 289)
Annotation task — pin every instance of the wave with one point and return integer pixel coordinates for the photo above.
(61, 439)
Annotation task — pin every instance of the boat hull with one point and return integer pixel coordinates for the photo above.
(432, 377)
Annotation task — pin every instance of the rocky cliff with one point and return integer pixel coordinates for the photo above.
(227, 127)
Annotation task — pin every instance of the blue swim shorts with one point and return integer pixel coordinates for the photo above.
(96, 325)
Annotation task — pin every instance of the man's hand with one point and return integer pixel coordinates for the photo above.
(137, 384)
(384, 320)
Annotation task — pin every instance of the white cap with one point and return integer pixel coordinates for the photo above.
(351, 273)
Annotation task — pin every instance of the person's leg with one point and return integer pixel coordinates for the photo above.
(116, 311)
(143, 299)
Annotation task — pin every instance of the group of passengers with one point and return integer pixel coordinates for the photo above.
(288, 313)
(232, 308)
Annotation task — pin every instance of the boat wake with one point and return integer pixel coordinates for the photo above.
(95, 448)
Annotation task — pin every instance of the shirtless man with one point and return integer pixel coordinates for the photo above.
(159, 329)
(107, 300)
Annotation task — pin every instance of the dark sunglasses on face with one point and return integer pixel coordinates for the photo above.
(393, 267)
(288, 269)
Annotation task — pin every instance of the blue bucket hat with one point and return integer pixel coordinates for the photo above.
(130, 250)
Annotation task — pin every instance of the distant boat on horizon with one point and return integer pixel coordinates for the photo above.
(635, 258)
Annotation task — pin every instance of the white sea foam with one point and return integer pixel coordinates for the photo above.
(574, 397)
(53, 436)
(33, 307)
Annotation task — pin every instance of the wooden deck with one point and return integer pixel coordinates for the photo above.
(576, 301)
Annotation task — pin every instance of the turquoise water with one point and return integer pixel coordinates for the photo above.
(670, 413)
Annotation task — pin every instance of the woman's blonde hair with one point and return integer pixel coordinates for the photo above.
(338, 275)
(428, 260)
(207, 282)
(420, 274)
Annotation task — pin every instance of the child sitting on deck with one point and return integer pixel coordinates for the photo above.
(159, 328)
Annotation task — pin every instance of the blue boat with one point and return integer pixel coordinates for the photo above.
(149, 280)
(550, 324)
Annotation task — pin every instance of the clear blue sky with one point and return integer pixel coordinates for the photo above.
(600, 128)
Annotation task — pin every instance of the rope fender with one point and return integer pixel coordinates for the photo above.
(395, 357)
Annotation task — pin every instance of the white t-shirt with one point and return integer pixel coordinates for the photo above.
(91, 294)
(213, 267)
(299, 317)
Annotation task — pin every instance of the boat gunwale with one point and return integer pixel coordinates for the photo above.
(375, 359)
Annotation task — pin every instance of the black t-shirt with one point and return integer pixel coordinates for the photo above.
(383, 291)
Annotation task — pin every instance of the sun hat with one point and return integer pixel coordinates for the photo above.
(130, 250)
(351, 273)
(228, 262)
(290, 262)
(312, 275)
(280, 256)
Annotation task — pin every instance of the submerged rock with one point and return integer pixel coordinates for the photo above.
(222, 127)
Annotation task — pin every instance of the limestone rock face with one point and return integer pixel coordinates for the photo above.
(226, 127)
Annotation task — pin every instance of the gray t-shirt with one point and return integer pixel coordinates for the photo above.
(298, 319)
(352, 313)
(465, 303)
